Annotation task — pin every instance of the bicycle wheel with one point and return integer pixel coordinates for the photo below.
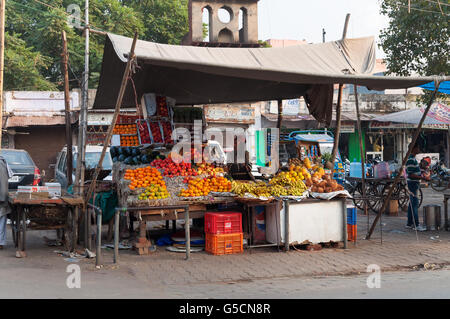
(358, 196)
(403, 198)
(376, 197)
(438, 184)
(420, 196)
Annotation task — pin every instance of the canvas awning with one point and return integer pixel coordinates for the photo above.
(201, 75)
(438, 114)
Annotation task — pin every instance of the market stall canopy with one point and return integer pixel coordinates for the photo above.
(443, 88)
(202, 75)
(438, 114)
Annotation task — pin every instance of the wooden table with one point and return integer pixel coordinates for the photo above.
(22, 209)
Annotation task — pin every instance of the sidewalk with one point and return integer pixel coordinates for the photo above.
(399, 249)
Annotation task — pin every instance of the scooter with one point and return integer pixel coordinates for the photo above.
(440, 177)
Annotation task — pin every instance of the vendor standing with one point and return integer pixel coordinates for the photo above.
(414, 175)
(5, 175)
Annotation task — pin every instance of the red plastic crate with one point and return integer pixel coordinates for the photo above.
(223, 223)
(352, 232)
(225, 244)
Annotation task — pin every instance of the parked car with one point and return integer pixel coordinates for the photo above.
(26, 173)
(92, 158)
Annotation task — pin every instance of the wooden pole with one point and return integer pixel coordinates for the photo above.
(123, 86)
(2, 62)
(65, 58)
(280, 116)
(361, 149)
(405, 159)
(339, 105)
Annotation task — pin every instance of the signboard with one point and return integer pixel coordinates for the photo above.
(230, 114)
(347, 127)
(392, 125)
(290, 107)
(100, 118)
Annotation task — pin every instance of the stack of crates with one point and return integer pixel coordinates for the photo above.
(352, 228)
(224, 233)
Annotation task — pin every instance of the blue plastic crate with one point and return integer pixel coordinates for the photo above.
(351, 215)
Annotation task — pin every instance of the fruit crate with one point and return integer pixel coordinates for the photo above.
(127, 119)
(144, 133)
(223, 223)
(224, 244)
(167, 128)
(156, 131)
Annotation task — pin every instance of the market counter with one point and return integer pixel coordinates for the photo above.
(310, 221)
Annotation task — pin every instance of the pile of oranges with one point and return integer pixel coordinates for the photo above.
(131, 140)
(125, 129)
(144, 177)
(202, 187)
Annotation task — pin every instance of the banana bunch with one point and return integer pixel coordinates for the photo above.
(262, 191)
(298, 189)
(278, 190)
(295, 161)
(240, 189)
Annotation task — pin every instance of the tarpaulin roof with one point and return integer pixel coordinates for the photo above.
(202, 75)
(444, 87)
(438, 114)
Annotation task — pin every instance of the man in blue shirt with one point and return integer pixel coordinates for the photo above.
(414, 175)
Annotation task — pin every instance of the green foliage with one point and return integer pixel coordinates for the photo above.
(24, 67)
(39, 28)
(416, 42)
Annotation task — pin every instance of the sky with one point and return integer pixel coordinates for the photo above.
(305, 19)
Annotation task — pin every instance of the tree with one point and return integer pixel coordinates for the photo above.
(165, 21)
(24, 66)
(39, 28)
(416, 42)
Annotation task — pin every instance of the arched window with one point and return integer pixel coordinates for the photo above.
(206, 20)
(243, 25)
(226, 36)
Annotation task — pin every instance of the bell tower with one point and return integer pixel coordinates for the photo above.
(230, 23)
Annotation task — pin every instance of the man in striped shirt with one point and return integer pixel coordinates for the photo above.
(414, 175)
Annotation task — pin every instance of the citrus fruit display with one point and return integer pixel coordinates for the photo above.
(204, 186)
(144, 177)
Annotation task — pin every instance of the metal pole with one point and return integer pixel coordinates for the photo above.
(2, 62)
(363, 157)
(286, 225)
(187, 232)
(98, 259)
(280, 115)
(399, 173)
(65, 56)
(116, 236)
(79, 172)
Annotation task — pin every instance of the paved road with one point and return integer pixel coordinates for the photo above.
(41, 283)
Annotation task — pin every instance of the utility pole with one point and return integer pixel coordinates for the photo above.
(65, 58)
(79, 173)
(2, 62)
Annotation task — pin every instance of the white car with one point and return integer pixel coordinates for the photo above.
(92, 158)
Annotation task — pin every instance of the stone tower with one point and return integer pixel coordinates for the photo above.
(224, 33)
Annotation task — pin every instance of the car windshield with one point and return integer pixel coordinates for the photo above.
(92, 159)
(14, 158)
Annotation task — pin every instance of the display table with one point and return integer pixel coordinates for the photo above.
(310, 221)
(43, 214)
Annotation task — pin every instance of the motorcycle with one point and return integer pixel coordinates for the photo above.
(440, 177)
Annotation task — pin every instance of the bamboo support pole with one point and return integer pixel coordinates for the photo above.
(399, 173)
(123, 86)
